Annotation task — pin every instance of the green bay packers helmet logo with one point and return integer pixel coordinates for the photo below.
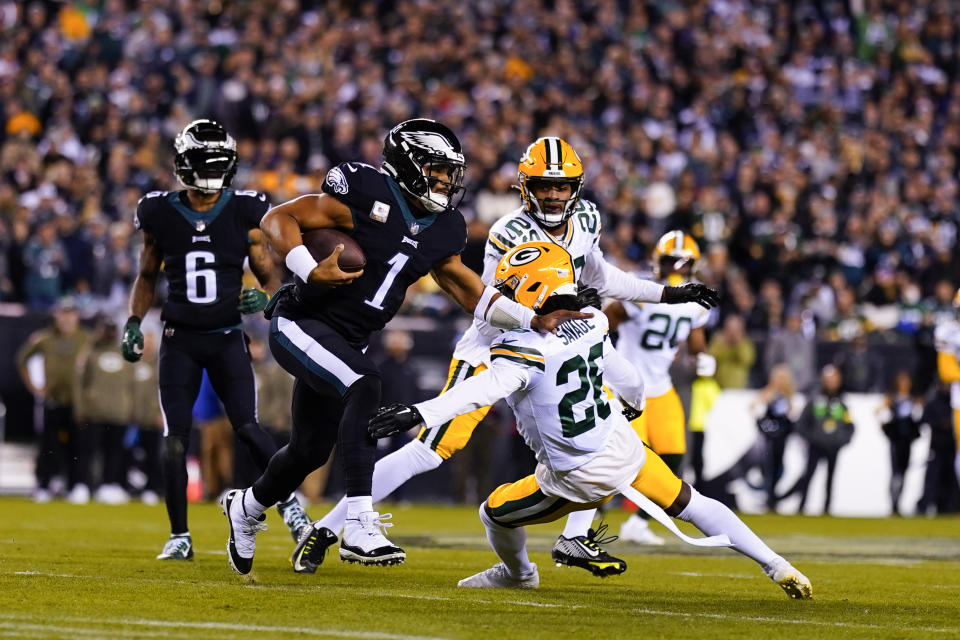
(525, 255)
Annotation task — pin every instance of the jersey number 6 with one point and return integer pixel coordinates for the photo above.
(195, 276)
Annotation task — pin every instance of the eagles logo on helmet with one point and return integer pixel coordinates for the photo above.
(550, 161)
(426, 160)
(206, 157)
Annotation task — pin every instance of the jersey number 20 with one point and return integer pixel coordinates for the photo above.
(201, 283)
(590, 381)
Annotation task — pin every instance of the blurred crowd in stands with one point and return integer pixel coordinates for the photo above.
(811, 147)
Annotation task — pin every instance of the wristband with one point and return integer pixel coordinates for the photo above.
(135, 319)
(300, 262)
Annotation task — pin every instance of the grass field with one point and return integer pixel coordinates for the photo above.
(88, 572)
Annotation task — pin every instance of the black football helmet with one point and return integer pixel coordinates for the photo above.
(412, 152)
(206, 156)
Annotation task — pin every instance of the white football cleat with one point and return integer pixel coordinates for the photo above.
(363, 541)
(637, 530)
(242, 542)
(497, 577)
(80, 494)
(790, 580)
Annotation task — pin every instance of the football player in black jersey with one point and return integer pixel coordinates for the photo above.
(404, 217)
(200, 236)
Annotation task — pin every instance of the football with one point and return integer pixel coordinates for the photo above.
(322, 242)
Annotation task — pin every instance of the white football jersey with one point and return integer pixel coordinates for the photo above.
(652, 335)
(946, 339)
(581, 238)
(555, 385)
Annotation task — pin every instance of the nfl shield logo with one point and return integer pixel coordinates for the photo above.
(200, 225)
(414, 228)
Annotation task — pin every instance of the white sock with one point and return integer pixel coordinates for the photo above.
(956, 465)
(713, 518)
(250, 504)
(578, 523)
(357, 505)
(510, 545)
(639, 519)
(185, 534)
(389, 473)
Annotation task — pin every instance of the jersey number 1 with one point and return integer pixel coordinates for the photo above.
(195, 276)
(396, 265)
(590, 380)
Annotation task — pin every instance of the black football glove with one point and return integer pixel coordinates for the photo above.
(691, 292)
(393, 419)
(629, 412)
(588, 297)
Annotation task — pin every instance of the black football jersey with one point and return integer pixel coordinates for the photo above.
(203, 253)
(400, 248)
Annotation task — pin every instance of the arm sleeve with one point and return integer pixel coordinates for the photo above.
(614, 283)
(482, 390)
(622, 376)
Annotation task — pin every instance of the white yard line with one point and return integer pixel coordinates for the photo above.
(695, 574)
(169, 624)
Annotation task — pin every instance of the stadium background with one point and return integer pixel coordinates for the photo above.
(811, 147)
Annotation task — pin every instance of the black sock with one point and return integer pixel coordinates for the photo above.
(357, 449)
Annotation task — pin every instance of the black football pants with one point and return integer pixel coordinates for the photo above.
(184, 354)
(337, 391)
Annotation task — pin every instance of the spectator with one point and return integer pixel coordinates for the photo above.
(825, 425)
(102, 406)
(62, 444)
(862, 368)
(147, 417)
(900, 416)
(940, 492)
(703, 394)
(793, 345)
(775, 424)
(734, 352)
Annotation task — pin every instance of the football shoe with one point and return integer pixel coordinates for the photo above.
(790, 580)
(637, 530)
(294, 517)
(498, 577)
(585, 552)
(177, 548)
(312, 549)
(363, 541)
(243, 531)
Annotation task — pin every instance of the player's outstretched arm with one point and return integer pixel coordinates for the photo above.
(141, 297)
(284, 224)
(691, 292)
(482, 390)
(487, 304)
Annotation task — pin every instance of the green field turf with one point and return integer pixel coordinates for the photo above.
(88, 572)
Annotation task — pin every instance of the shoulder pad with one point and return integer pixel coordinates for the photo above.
(145, 207)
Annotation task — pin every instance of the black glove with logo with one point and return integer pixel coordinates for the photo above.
(393, 419)
(588, 297)
(691, 292)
